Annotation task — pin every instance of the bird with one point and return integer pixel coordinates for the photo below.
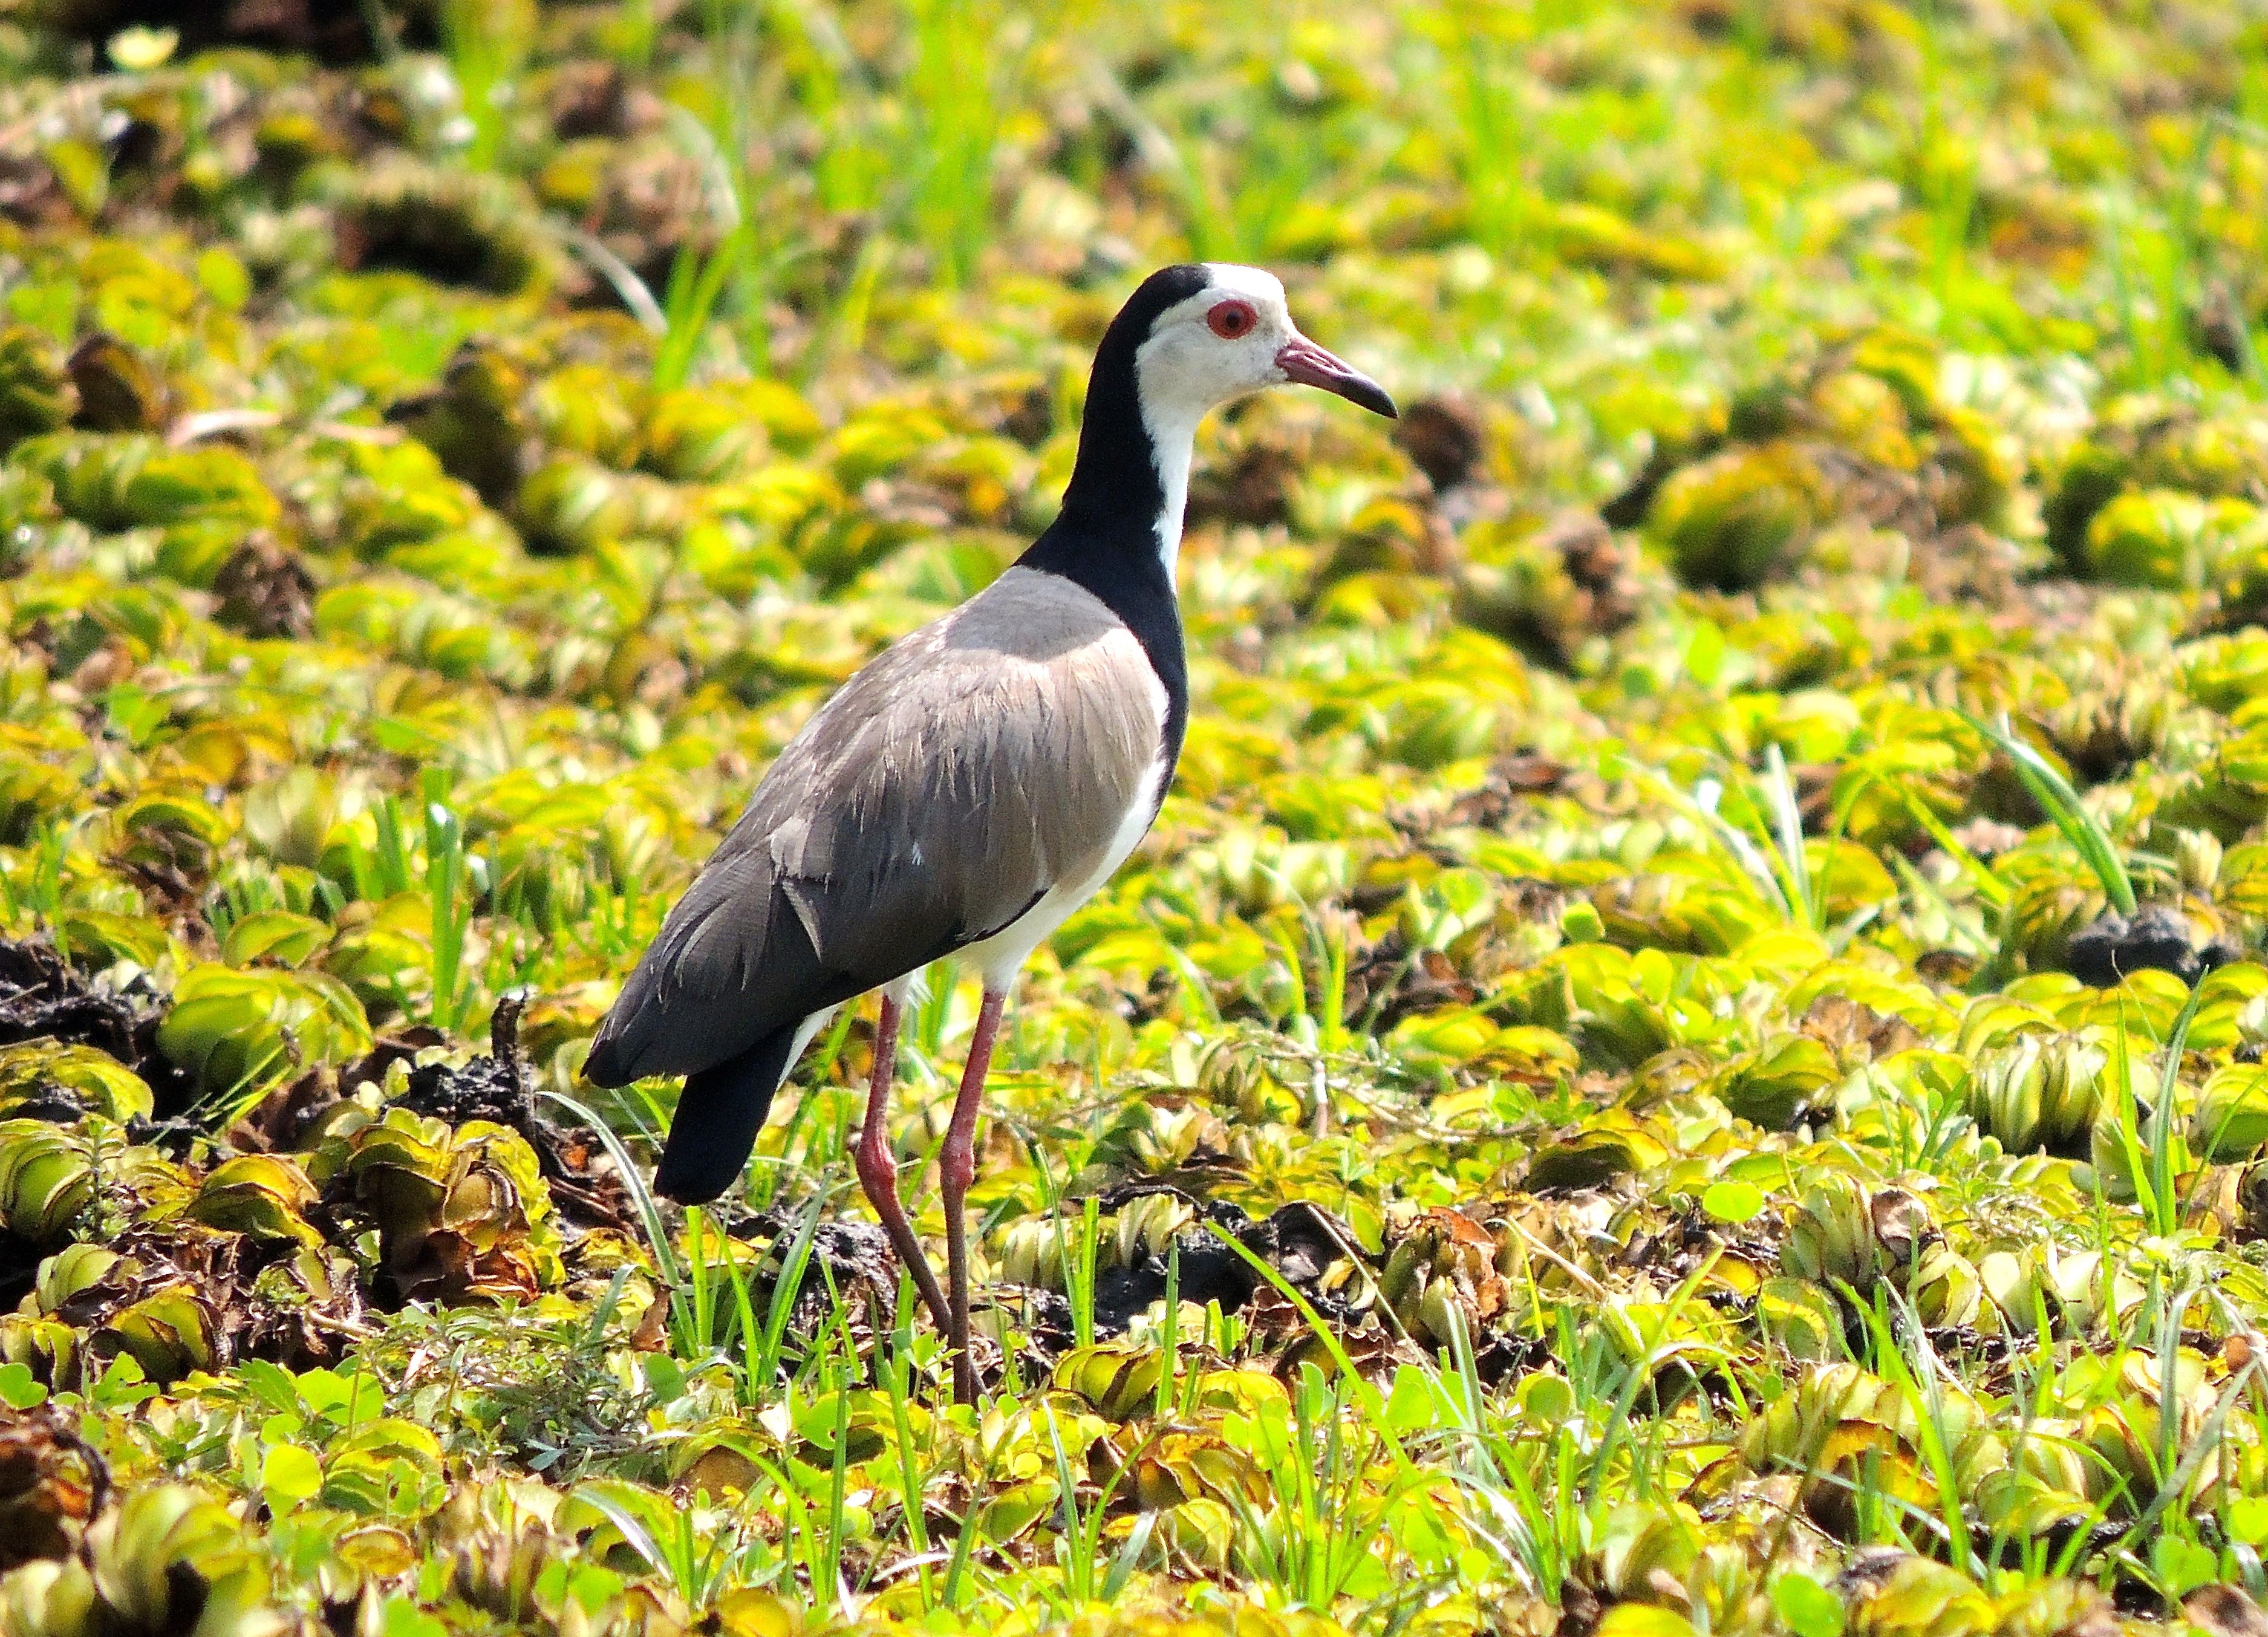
(966, 791)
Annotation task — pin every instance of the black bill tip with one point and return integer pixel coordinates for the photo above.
(1310, 366)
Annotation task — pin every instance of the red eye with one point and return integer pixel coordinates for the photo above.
(1232, 319)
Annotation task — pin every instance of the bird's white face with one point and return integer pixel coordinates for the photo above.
(1218, 345)
(1234, 337)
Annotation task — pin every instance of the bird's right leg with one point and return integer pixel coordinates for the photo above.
(878, 1169)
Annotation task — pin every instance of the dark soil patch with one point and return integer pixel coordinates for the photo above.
(2155, 938)
(496, 1088)
(42, 996)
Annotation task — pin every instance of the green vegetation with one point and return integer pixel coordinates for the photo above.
(1685, 1058)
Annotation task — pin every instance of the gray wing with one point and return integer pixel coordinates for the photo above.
(950, 783)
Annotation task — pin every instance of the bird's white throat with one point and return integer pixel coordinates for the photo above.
(1185, 369)
(1172, 430)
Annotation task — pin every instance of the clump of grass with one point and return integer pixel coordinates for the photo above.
(486, 43)
(2064, 809)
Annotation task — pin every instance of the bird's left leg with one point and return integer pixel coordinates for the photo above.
(957, 1168)
(877, 1172)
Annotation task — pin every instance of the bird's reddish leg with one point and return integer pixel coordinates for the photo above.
(957, 1167)
(877, 1168)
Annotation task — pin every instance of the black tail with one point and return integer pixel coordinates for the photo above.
(718, 1118)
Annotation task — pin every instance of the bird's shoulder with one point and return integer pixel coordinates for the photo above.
(1028, 628)
(1032, 648)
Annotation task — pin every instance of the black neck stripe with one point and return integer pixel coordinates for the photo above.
(1106, 536)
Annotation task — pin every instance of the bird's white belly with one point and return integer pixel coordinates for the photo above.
(997, 959)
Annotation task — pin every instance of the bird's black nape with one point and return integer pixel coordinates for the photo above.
(1106, 536)
(1115, 476)
(718, 1114)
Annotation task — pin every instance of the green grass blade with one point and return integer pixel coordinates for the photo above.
(2061, 803)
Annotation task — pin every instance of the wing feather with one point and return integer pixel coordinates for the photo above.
(931, 802)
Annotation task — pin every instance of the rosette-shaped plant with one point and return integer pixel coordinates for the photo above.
(46, 1180)
(2230, 1121)
(2168, 539)
(52, 1080)
(1843, 1235)
(471, 228)
(1728, 521)
(165, 1560)
(461, 1214)
(2038, 1090)
(36, 392)
(235, 1032)
(1445, 1275)
(2229, 794)
(1790, 1077)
